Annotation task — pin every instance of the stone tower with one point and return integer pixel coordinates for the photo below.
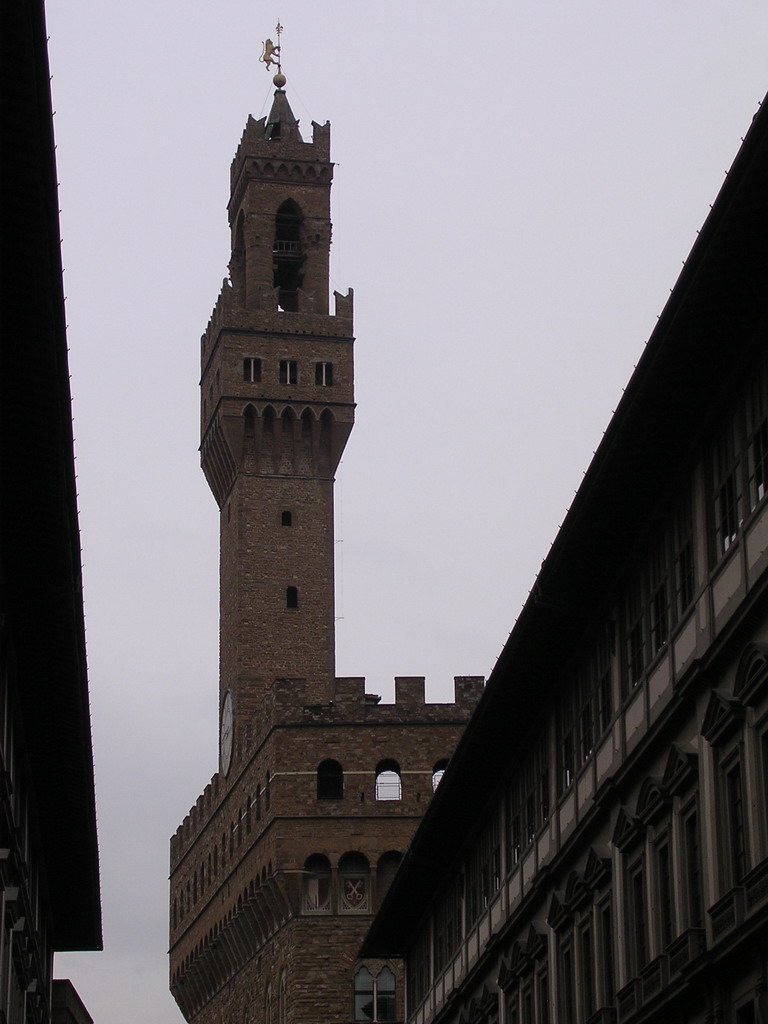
(277, 869)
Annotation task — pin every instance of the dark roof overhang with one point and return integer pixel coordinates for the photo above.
(40, 577)
(711, 330)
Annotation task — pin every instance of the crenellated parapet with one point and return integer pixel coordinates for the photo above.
(257, 155)
(287, 704)
(290, 701)
(410, 699)
(195, 819)
(227, 314)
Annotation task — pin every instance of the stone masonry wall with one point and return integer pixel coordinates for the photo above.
(247, 841)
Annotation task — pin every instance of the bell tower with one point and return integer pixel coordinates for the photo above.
(277, 408)
(280, 863)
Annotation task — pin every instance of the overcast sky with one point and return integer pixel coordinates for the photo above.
(517, 185)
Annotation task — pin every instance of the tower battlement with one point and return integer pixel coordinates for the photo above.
(228, 314)
(351, 705)
(410, 701)
(287, 156)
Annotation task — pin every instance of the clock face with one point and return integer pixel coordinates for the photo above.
(226, 734)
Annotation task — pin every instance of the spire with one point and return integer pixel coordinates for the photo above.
(281, 123)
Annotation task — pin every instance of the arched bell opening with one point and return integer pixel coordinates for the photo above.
(237, 260)
(287, 257)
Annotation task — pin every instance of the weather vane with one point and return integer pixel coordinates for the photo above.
(270, 56)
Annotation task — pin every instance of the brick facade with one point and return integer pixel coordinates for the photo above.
(277, 869)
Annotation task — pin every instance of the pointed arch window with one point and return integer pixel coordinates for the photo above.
(287, 256)
(268, 427)
(364, 1001)
(326, 427)
(385, 995)
(237, 261)
(249, 421)
(288, 419)
(374, 996)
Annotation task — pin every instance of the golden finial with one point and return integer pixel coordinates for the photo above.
(271, 55)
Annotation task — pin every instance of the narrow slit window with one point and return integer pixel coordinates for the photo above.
(291, 597)
(286, 519)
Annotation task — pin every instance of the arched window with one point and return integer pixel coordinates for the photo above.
(354, 884)
(286, 518)
(249, 421)
(326, 430)
(317, 885)
(268, 425)
(437, 773)
(385, 995)
(330, 780)
(287, 257)
(388, 783)
(364, 1001)
(237, 261)
(374, 997)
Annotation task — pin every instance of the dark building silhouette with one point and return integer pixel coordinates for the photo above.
(49, 881)
(598, 848)
(277, 869)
